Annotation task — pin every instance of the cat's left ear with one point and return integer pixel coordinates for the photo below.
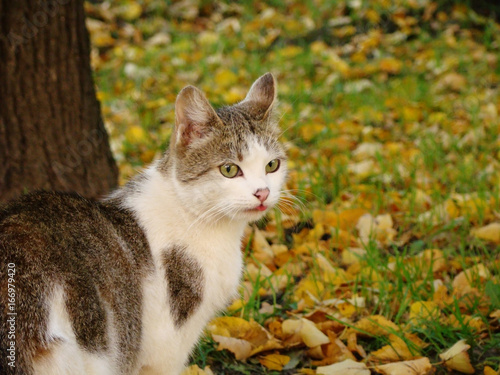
(261, 98)
(194, 116)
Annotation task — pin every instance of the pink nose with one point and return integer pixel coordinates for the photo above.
(262, 194)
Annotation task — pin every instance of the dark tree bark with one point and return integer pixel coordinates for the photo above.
(51, 132)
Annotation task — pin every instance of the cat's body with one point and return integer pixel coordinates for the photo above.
(126, 285)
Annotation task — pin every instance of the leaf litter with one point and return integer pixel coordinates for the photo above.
(383, 257)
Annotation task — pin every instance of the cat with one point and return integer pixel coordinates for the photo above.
(126, 285)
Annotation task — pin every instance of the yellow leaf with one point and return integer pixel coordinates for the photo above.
(311, 335)
(372, 15)
(346, 309)
(489, 371)
(207, 38)
(309, 290)
(290, 51)
(225, 78)
(457, 358)
(309, 131)
(475, 323)
(274, 361)
(352, 255)
(262, 251)
(240, 348)
(421, 366)
(434, 257)
(136, 135)
(379, 228)
(241, 337)
(130, 11)
(452, 81)
(424, 310)
(345, 220)
(376, 325)
(396, 350)
(390, 65)
(347, 367)
(490, 232)
(307, 330)
(352, 344)
(465, 280)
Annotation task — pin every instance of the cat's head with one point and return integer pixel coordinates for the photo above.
(228, 163)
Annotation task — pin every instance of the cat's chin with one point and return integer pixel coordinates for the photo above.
(255, 213)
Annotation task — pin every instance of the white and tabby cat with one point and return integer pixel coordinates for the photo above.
(126, 285)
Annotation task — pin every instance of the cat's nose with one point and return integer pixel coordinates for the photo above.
(262, 194)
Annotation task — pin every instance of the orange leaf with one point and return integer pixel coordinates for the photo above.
(274, 361)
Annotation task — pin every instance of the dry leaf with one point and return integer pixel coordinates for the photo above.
(379, 228)
(421, 366)
(375, 325)
(241, 349)
(241, 337)
(424, 310)
(307, 330)
(262, 251)
(463, 282)
(335, 351)
(274, 361)
(490, 232)
(347, 367)
(489, 371)
(457, 358)
(345, 220)
(396, 350)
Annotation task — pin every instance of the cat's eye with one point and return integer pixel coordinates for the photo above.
(230, 170)
(273, 166)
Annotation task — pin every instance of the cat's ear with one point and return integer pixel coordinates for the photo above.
(261, 97)
(194, 116)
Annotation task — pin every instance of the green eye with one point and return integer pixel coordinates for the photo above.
(273, 166)
(229, 170)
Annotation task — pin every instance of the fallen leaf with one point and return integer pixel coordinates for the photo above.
(490, 232)
(274, 361)
(396, 350)
(422, 311)
(379, 228)
(307, 330)
(347, 367)
(465, 280)
(421, 366)
(457, 358)
(241, 349)
(375, 325)
(262, 251)
(390, 65)
(241, 337)
(489, 371)
(333, 352)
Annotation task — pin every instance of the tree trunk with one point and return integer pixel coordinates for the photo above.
(51, 132)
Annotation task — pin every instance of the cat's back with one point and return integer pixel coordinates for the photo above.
(77, 269)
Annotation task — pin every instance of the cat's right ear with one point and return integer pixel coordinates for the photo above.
(261, 97)
(194, 116)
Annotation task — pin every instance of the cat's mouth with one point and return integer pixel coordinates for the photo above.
(260, 208)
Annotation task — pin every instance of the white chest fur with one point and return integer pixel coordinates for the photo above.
(215, 251)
